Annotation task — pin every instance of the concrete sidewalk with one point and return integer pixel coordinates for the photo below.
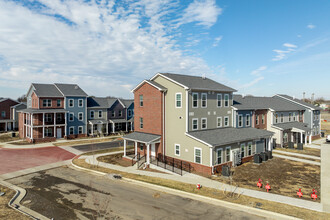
(297, 159)
(297, 154)
(194, 179)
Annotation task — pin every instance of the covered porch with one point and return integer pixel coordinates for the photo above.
(7, 125)
(294, 132)
(121, 125)
(98, 127)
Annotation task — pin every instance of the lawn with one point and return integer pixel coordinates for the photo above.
(88, 141)
(284, 176)
(325, 126)
(214, 193)
(6, 137)
(306, 150)
(115, 159)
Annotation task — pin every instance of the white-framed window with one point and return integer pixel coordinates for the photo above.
(141, 122)
(282, 118)
(71, 103)
(129, 112)
(204, 100)
(80, 129)
(219, 156)
(177, 149)
(294, 116)
(71, 130)
(290, 115)
(113, 113)
(257, 119)
(240, 121)
(71, 116)
(203, 123)
(242, 150)
(59, 117)
(48, 132)
(59, 102)
(100, 113)
(120, 113)
(197, 155)
(48, 117)
(195, 100)
(249, 151)
(141, 100)
(178, 100)
(3, 114)
(248, 119)
(92, 114)
(263, 119)
(219, 122)
(80, 116)
(276, 118)
(80, 103)
(228, 154)
(194, 124)
(219, 100)
(226, 118)
(226, 100)
(47, 103)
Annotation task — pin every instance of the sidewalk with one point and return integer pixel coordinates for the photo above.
(297, 154)
(194, 179)
(297, 159)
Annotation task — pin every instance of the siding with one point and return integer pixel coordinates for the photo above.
(244, 115)
(75, 109)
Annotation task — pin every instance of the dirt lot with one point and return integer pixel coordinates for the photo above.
(5, 211)
(70, 194)
(284, 176)
(326, 126)
(306, 150)
(115, 159)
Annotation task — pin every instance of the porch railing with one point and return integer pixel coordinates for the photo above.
(135, 159)
(171, 164)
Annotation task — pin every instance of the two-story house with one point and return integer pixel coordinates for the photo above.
(7, 119)
(53, 111)
(190, 119)
(121, 115)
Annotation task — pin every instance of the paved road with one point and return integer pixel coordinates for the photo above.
(100, 146)
(66, 193)
(12, 160)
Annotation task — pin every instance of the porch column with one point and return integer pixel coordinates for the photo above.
(125, 147)
(107, 128)
(305, 138)
(281, 138)
(43, 125)
(269, 144)
(297, 137)
(92, 129)
(126, 126)
(135, 144)
(13, 126)
(131, 126)
(310, 138)
(6, 125)
(55, 124)
(31, 123)
(301, 137)
(65, 118)
(25, 122)
(148, 153)
(113, 127)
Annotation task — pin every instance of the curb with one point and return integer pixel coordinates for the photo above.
(250, 210)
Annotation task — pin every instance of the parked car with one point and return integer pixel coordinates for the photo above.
(328, 138)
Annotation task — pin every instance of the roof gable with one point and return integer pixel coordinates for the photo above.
(70, 89)
(46, 90)
(152, 83)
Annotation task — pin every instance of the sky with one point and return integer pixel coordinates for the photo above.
(257, 47)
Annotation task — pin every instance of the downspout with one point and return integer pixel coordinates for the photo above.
(163, 115)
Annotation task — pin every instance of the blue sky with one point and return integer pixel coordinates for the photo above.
(257, 47)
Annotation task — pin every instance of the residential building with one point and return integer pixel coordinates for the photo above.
(121, 115)
(7, 119)
(190, 119)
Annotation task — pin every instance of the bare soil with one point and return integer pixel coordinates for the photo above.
(325, 126)
(115, 159)
(299, 157)
(284, 176)
(306, 150)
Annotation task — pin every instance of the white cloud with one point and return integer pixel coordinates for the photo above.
(216, 41)
(104, 48)
(258, 71)
(281, 54)
(311, 26)
(289, 45)
(253, 82)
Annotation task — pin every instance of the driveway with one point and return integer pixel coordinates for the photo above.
(12, 160)
(66, 193)
(100, 146)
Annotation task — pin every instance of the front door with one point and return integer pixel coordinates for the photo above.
(58, 133)
(153, 150)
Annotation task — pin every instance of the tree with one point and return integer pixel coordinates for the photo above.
(22, 98)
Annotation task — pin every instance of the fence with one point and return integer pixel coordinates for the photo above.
(171, 164)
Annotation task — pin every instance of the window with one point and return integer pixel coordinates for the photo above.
(141, 147)
(48, 117)
(100, 113)
(263, 119)
(294, 116)
(113, 114)
(141, 100)
(219, 122)
(47, 103)
(227, 154)
(71, 103)
(204, 100)
(92, 114)
(242, 150)
(226, 121)
(226, 100)
(219, 100)
(194, 124)
(257, 119)
(219, 156)
(80, 103)
(177, 149)
(80, 129)
(178, 100)
(249, 149)
(129, 112)
(247, 120)
(71, 130)
(195, 100)
(198, 155)
(58, 102)
(80, 116)
(240, 120)
(281, 117)
(59, 117)
(120, 113)
(141, 123)
(204, 123)
(290, 116)
(276, 118)
(71, 116)
(48, 132)
(3, 114)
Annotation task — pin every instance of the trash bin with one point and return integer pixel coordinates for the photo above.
(264, 156)
(13, 134)
(269, 154)
(257, 159)
(300, 146)
(225, 170)
(291, 145)
(322, 134)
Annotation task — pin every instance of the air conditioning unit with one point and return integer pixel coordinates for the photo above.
(225, 170)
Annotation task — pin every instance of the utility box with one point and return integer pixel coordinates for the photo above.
(291, 145)
(225, 170)
(264, 156)
(13, 134)
(257, 159)
(300, 146)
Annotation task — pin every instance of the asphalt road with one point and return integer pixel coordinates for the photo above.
(65, 193)
(100, 146)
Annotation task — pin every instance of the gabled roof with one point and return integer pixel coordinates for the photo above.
(294, 124)
(46, 90)
(127, 102)
(142, 137)
(4, 99)
(227, 136)
(255, 103)
(297, 101)
(100, 102)
(70, 89)
(152, 83)
(195, 82)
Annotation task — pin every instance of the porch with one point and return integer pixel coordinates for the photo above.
(98, 127)
(293, 132)
(117, 125)
(7, 125)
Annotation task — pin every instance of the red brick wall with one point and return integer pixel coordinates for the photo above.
(21, 128)
(5, 106)
(34, 100)
(316, 137)
(259, 113)
(54, 103)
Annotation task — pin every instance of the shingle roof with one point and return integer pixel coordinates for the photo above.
(32, 110)
(198, 82)
(70, 89)
(223, 136)
(100, 102)
(294, 124)
(301, 102)
(254, 103)
(142, 137)
(127, 102)
(46, 90)
(156, 85)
